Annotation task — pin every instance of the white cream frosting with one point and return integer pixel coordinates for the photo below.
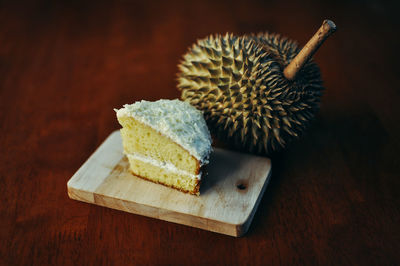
(164, 165)
(175, 119)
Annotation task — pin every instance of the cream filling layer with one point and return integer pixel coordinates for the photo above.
(164, 165)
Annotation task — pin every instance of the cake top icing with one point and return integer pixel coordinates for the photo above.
(175, 119)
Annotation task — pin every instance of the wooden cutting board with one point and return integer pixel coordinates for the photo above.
(228, 199)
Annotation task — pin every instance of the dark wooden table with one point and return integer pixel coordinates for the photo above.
(334, 195)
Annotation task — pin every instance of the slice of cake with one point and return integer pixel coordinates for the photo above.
(166, 142)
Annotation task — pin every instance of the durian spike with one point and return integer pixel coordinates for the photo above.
(326, 29)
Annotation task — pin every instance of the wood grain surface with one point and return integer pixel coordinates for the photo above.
(334, 195)
(230, 192)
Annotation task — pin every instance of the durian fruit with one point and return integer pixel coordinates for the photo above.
(258, 92)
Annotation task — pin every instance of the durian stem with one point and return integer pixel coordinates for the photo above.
(327, 28)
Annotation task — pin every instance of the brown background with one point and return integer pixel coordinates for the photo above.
(334, 195)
